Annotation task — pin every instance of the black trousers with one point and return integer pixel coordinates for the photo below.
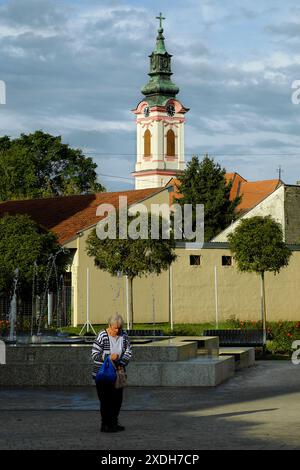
(110, 402)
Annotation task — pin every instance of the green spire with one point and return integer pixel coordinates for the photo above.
(160, 88)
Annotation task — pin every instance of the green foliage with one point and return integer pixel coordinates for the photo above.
(40, 165)
(280, 334)
(204, 183)
(4, 327)
(23, 323)
(131, 257)
(180, 329)
(236, 323)
(257, 245)
(22, 243)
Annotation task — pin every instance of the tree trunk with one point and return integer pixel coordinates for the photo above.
(263, 308)
(130, 302)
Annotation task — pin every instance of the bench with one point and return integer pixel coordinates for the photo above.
(145, 333)
(249, 338)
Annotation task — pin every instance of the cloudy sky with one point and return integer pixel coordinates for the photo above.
(75, 68)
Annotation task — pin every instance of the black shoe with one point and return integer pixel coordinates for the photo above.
(118, 427)
(106, 428)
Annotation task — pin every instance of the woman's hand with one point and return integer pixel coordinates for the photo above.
(114, 357)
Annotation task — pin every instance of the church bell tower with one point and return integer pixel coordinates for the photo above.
(159, 123)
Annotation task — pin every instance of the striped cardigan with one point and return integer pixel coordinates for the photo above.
(101, 348)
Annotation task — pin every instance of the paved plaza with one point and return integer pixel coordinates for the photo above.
(257, 409)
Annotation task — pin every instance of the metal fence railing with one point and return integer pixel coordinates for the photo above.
(60, 305)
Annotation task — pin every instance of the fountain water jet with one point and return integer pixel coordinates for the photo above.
(13, 309)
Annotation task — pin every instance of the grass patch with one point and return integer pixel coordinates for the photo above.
(180, 329)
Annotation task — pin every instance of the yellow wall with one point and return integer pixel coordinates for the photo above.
(193, 292)
(238, 293)
(108, 293)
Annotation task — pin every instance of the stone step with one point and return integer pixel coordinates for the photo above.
(46, 375)
(176, 348)
(171, 362)
(244, 357)
(196, 372)
(207, 345)
(48, 353)
(168, 350)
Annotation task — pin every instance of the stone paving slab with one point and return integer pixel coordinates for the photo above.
(259, 408)
(60, 430)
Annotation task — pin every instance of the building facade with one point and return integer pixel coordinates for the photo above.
(283, 205)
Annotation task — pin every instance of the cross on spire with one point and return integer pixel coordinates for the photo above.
(160, 18)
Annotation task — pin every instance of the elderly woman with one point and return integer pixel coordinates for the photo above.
(113, 342)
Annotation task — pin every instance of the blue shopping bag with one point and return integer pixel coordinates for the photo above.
(107, 372)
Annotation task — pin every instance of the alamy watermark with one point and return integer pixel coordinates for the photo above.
(159, 221)
(2, 352)
(296, 94)
(2, 92)
(296, 354)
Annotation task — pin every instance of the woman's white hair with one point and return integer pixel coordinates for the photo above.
(116, 319)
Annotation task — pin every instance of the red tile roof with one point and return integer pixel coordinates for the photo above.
(252, 192)
(67, 215)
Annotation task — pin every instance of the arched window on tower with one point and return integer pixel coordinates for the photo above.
(170, 143)
(147, 143)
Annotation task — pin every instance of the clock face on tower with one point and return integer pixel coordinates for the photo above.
(146, 111)
(170, 110)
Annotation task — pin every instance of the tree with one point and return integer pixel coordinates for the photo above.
(40, 165)
(204, 183)
(257, 245)
(32, 250)
(26, 246)
(134, 258)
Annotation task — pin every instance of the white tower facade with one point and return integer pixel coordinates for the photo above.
(160, 143)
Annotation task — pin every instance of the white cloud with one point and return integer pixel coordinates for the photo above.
(76, 69)
(15, 31)
(276, 77)
(12, 123)
(87, 124)
(216, 125)
(282, 60)
(15, 52)
(254, 66)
